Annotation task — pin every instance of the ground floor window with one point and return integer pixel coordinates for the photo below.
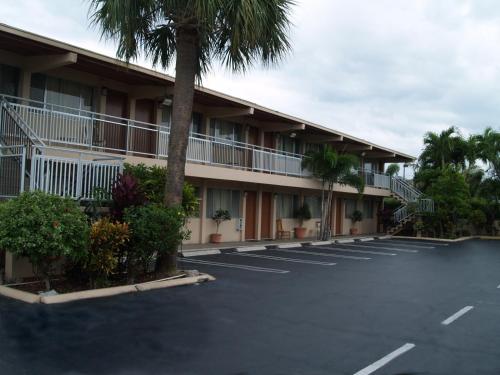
(314, 203)
(286, 204)
(368, 209)
(350, 207)
(223, 199)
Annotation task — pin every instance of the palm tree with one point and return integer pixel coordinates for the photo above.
(332, 168)
(195, 32)
(447, 147)
(488, 150)
(392, 169)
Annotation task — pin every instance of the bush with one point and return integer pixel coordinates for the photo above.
(478, 219)
(125, 193)
(107, 244)
(44, 228)
(155, 230)
(303, 213)
(151, 181)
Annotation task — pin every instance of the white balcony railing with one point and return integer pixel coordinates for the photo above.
(69, 127)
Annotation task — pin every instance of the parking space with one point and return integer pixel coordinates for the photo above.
(371, 307)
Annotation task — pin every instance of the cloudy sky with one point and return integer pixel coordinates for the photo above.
(385, 70)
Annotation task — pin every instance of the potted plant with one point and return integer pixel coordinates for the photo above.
(302, 213)
(356, 216)
(418, 227)
(219, 217)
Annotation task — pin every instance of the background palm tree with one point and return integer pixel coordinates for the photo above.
(392, 169)
(332, 168)
(195, 32)
(447, 147)
(488, 150)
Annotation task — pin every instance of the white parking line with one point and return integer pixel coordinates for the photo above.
(232, 265)
(383, 248)
(321, 254)
(420, 242)
(293, 260)
(355, 251)
(385, 360)
(457, 315)
(419, 246)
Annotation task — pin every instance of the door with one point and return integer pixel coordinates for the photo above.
(144, 141)
(265, 221)
(268, 140)
(338, 217)
(114, 131)
(250, 208)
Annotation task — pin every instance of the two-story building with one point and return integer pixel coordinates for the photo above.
(77, 115)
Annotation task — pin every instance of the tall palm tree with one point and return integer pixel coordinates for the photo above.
(237, 33)
(488, 150)
(447, 147)
(332, 168)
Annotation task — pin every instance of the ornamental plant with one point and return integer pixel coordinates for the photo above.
(108, 241)
(219, 217)
(125, 193)
(45, 229)
(154, 231)
(303, 213)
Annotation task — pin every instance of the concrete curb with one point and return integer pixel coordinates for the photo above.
(347, 240)
(87, 294)
(104, 292)
(19, 294)
(319, 243)
(194, 253)
(152, 285)
(289, 245)
(250, 248)
(460, 239)
(364, 239)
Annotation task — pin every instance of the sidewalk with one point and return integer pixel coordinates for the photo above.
(211, 248)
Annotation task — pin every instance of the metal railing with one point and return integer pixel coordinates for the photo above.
(402, 188)
(12, 170)
(375, 179)
(76, 175)
(69, 127)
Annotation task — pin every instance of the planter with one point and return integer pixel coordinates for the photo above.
(215, 238)
(300, 232)
(353, 231)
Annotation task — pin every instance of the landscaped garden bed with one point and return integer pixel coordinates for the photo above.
(131, 245)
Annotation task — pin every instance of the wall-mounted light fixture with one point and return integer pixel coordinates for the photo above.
(167, 101)
(293, 135)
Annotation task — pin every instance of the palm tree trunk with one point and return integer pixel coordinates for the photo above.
(185, 73)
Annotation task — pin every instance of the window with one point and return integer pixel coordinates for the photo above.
(9, 80)
(286, 204)
(61, 92)
(288, 144)
(166, 120)
(226, 130)
(314, 204)
(223, 199)
(368, 209)
(350, 207)
(313, 147)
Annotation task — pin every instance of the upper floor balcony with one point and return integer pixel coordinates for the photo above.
(66, 127)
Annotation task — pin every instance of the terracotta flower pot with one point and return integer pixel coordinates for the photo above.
(215, 238)
(300, 232)
(353, 231)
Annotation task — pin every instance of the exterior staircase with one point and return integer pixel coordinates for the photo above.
(412, 204)
(27, 163)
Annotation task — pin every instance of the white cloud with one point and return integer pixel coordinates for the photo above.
(387, 71)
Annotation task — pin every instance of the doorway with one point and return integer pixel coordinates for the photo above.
(115, 132)
(144, 141)
(265, 222)
(338, 217)
(250, 209)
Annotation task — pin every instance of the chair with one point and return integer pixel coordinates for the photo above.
(282, 234)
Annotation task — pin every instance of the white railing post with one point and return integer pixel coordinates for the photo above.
(23, 169)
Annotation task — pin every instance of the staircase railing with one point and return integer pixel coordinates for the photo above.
(409, 194)
(403, 189)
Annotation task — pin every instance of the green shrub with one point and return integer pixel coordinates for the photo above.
(44, 228)
(478, 219)
(356, 216)
(151, 181)
(107, 243)
(155, 230)
(303, 213)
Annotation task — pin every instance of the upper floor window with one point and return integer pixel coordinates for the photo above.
(196, 120)
(225, 130)
(57, 91)
(313, 147)
(9, 80)
(288, 144)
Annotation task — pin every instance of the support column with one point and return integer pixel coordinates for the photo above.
(273, 215)
(25, 84)
(243, 210)
(259, 213)
(203, 212)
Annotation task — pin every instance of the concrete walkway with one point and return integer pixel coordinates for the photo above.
(211, 248)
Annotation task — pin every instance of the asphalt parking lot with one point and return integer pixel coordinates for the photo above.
(381, 307)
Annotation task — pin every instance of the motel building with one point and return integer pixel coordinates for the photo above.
(70, 118)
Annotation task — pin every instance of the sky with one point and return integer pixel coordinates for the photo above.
(386, 71)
